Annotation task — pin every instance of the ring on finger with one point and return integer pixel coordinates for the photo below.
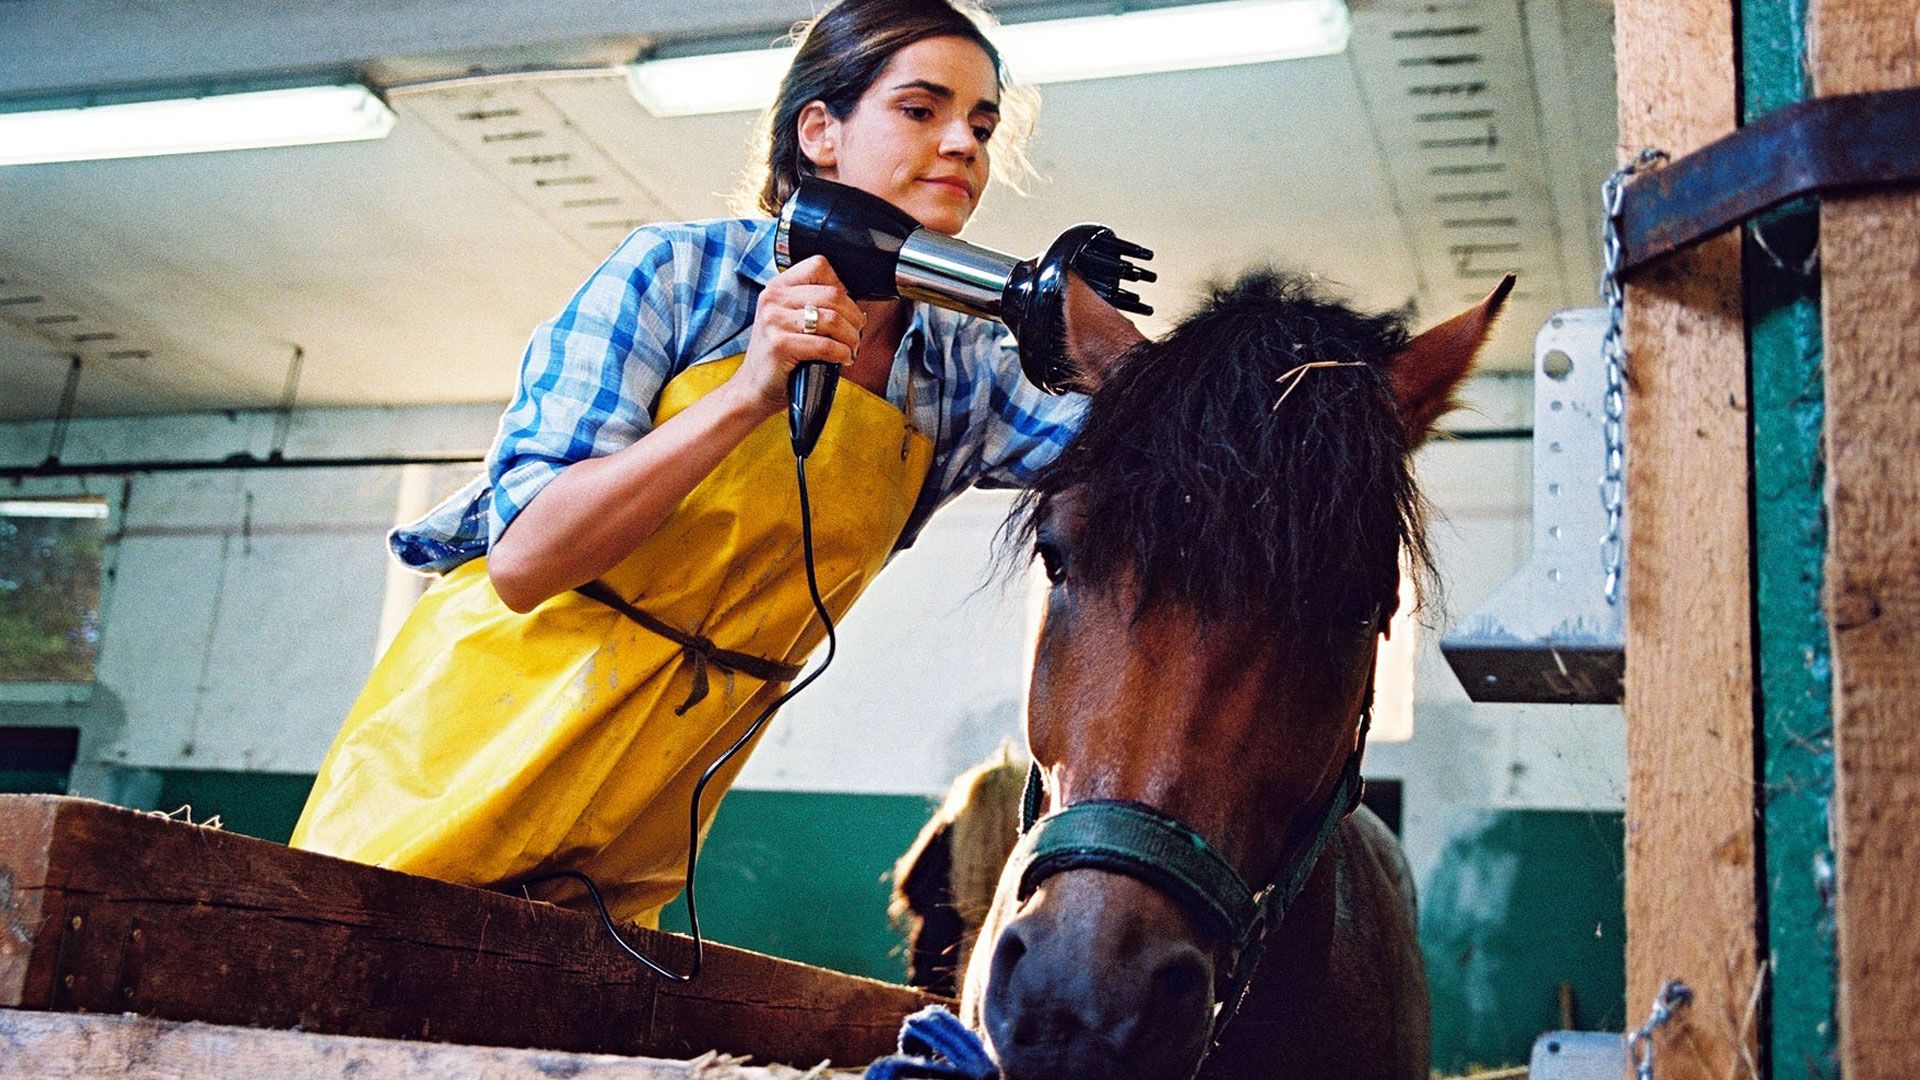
(810, 320)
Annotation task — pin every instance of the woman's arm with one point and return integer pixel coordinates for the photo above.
(596, 511)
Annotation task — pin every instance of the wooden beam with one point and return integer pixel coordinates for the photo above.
(58, 1046)
(1690, 889)
(1870, 262)
(109, 910)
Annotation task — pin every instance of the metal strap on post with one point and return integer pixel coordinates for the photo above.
(1542, 637)
(1842, 143)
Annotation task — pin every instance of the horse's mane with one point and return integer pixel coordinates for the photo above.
(1198, 478)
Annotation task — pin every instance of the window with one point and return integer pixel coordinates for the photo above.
(50, 569)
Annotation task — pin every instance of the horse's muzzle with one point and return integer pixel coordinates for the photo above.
(1098, 978)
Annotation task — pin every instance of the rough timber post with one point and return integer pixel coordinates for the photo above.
(1870, 299)
(1774, 768)
(1692, 909)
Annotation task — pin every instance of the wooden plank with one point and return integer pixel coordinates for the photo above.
(1690, 889)
(1870, 257)
(22, 909)
(60, 1046)
(111, 910)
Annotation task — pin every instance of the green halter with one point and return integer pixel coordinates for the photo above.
(1131, 838)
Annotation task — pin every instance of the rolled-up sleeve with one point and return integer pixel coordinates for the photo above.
(1025, 427)
(589, 378)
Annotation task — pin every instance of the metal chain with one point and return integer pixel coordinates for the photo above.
(1671, 997)
(1613, 348)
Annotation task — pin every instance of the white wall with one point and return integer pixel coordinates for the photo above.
(242, 610)
(1466, 758)
(239, 608)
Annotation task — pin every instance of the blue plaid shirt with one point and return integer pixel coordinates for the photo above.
(672, 296)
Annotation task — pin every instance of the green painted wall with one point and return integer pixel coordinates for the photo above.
(265, 805)
(1522, 902)
(33, 782)
(1795, 670)
(806, 875)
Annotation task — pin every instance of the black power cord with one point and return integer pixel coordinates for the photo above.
(693, 809)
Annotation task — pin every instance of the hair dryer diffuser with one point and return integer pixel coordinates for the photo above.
(880, 252)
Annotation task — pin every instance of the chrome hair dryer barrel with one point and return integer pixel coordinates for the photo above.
(880, 252)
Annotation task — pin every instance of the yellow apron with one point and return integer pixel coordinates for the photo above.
(489, 746)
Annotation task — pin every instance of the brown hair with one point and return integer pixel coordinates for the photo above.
(841, 52)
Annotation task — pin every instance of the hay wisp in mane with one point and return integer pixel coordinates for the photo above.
(1219, 489)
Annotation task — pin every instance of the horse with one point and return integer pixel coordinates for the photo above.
(1223, 543)
(943, 884)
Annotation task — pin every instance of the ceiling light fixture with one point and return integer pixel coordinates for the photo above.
(243, 121)
(1144, 42)
(709, 83)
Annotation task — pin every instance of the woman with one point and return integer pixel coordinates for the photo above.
(517, 726)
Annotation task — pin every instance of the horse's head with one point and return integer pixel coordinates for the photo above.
(1225, 541)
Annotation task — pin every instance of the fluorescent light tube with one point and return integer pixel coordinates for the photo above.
(1049, 51)
(245, 121)
(712, 83)
(52, 508)
(1173, 39)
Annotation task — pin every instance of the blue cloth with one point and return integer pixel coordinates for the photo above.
(672, 296)
(935, 1044)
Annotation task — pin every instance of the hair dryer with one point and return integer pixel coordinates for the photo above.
(880, 252)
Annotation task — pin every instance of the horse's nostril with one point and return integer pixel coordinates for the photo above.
(1009, 1026)
(1006, 953)
(1182, 983)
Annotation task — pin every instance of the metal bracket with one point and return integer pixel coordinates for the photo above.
(1578, 1055)
(1839, 143)
(1548, 633)
(1552, 632)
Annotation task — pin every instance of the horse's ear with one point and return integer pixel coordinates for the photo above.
(1425, 374)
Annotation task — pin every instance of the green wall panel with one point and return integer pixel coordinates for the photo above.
(806, 875)
(33, 782)
(265, 805)
(1793, 660)
(1524, 902)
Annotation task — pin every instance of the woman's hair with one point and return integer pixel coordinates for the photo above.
(841, 52)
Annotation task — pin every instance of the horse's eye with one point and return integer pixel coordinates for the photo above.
(1052, 560)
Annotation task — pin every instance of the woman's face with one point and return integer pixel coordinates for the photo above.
(918, 137)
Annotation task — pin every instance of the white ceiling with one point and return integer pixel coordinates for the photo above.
(1450, 143)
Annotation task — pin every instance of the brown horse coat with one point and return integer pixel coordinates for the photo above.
(1220, 568)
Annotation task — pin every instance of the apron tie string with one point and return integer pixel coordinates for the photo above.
(701, 652)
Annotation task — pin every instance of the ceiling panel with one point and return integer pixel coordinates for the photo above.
(540, 157)
(398, 266)
(412, 269)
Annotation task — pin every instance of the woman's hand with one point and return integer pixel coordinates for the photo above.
(780, 339)
(595, 512)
